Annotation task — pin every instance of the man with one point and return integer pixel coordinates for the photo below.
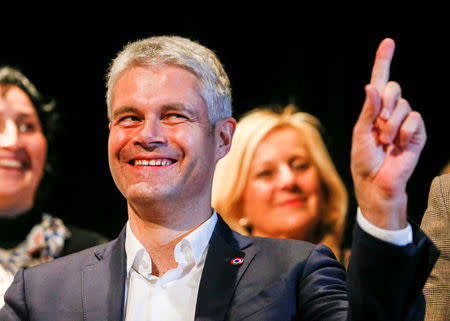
(170, 122)
(436, 222)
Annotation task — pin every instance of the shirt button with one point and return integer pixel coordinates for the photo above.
(144, 264)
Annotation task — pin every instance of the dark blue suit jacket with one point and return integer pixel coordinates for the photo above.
(278, 280)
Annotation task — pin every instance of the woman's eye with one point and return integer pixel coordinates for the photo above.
(299, 165)
(27, 127)
(264, 173)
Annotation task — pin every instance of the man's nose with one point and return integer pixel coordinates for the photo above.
(152, 134)
(9, 134)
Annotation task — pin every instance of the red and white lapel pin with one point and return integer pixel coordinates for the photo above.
(237, 261)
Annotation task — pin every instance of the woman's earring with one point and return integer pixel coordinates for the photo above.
(245, 224)
(243, 221)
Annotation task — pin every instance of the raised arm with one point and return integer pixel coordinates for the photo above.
(387, 141)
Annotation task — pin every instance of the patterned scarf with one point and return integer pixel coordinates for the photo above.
(44, 243)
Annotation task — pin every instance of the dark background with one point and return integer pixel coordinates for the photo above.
(269, 61)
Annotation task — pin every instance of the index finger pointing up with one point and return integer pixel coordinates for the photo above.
(382, 65)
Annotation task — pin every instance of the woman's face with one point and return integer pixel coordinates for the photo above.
(283, 196)
(23, 149)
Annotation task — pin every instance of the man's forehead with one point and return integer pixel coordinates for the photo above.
(167, 86)
(158, 75)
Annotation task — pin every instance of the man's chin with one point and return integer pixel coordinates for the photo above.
(146, 193)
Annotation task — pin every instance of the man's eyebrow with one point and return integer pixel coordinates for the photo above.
(178, 107)
(124, 110)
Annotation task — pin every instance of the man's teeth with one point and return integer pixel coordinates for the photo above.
(10, 163)
(153, 162)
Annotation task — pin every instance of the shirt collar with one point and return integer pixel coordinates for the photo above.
(198, 240)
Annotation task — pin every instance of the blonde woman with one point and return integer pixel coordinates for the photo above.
(278, 180)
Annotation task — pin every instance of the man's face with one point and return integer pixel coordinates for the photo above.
(161, 147)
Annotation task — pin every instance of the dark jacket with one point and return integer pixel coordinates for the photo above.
(278, 280)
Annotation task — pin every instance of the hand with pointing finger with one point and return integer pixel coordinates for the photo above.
(387, 140)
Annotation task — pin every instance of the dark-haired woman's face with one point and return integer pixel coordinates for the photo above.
(23, 150)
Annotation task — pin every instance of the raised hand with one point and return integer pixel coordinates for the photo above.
(387, 140)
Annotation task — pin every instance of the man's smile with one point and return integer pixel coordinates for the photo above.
(153, 162)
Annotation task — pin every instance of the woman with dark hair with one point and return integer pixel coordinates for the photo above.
(28, 235)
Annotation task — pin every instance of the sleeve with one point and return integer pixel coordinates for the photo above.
(322, 290)
(385, 281)
(15, 305)
(436, 223)
(397, 237)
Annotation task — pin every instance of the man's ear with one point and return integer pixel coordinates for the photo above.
(224, 132)
(109, 126)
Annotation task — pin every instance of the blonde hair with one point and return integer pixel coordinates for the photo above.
(232, 171)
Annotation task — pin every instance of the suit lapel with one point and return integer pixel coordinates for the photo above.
(103, 282)
(220, 276)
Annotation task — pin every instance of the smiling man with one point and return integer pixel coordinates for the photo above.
(162, 153)
(161, 144)
(169, 105)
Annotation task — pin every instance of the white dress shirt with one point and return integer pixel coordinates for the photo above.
(172, 296)
(397, 237)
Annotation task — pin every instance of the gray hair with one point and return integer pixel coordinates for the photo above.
(182, 52)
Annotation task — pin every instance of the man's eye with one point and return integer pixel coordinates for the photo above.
(128, 119)
(174, 118)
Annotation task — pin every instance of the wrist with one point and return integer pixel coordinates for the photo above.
(397, 237)
(385, 213)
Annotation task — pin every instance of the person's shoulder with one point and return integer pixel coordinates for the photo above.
(290, 250)
(269, 250)
(291, 257)
(439, 197)
(65, 276)
(281, 247)
(444, 182)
